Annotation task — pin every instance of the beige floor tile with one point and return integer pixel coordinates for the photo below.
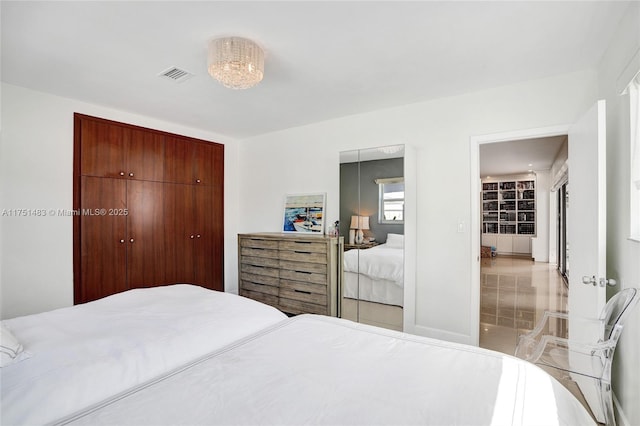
(514, 293)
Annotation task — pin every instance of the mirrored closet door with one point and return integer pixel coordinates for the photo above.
(372, 212)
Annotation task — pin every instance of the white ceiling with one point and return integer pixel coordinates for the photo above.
(323, 59)
(515, 157)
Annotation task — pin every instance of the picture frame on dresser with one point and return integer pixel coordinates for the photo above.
(304, 213)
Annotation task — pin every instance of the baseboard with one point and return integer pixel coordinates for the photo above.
(621, 418)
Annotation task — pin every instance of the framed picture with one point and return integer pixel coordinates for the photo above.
(304, 213)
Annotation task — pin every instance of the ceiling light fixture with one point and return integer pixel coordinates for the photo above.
(236, 62)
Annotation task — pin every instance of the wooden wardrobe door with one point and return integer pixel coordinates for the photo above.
(217, 218)
(103, 147)
(178, 160)
(103, 239)
(203, 244)
(145, 234)
(145, 156)
(179, 233)
(203, 163)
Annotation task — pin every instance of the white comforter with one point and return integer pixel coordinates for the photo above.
(83, 354)
(327, 371)
(379, 262)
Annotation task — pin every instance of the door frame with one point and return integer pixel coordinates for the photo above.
(476, 188)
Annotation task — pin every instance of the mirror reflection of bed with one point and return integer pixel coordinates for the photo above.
(372, 223)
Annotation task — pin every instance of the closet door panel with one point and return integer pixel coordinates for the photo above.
(203, 244)
(217, 260)
(178, 160)
(103, 245)
(103, 149)
(203, 163)
(180, 233)
(145, 234)
(145, 156)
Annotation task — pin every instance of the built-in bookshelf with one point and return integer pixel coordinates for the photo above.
(509, 207)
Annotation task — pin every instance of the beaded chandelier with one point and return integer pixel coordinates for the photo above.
(236, 62)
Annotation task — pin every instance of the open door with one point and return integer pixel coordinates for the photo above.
(586, 231)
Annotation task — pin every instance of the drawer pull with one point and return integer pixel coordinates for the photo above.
(302, 242)
(301, 291)
(302, 252)
(304, 272)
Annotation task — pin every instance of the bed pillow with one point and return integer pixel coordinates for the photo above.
(11, 349)
(395, 241)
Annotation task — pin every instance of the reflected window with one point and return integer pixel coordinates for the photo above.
(391, 200)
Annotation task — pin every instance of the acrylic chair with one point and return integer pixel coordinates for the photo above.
(589, 360)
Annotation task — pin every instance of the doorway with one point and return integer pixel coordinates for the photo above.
(517, 223)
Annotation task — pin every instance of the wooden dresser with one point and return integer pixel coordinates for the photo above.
(294, 273)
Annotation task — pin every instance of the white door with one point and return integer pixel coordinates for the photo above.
(586, 227)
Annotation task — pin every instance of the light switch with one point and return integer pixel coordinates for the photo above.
(461, 227)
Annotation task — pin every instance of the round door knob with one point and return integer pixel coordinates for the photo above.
(131, 240)
(192, 236)
(197, 180)
(198, 236)
(121, 173)
(131, 174)
(121, 241)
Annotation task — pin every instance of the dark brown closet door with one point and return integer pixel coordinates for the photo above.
(103, 148)
(217, 218)
(203, 243)
(103, 238)
(145, 156)
(178, 160)
(191, 161)
(145, 234)
(180, 233)
(203, 163)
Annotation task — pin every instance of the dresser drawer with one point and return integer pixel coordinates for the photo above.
(259, 243)
(319, 268)
(305, 277)
(259, 252)
(260, 270)
(304, 246)
(261, 261)
(259, 287)
(304, 256)
(259, 279)
(299, 307)
(260, 297)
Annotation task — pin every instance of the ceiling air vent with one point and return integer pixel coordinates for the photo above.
(176, 74)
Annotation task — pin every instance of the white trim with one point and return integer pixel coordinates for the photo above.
(476, 187)
(628, 73)
(410, 238)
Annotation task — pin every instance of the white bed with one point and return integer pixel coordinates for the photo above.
(375, 274)
(328, 371)
(80, 355)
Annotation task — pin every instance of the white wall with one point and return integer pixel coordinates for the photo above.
(540, 243)
(36, 172)
(623, 255)
(305, 159)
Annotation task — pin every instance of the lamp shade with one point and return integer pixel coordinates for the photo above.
(359, 222)
(236, 62)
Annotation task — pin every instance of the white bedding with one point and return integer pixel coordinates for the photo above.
(327, 371)
(363, 287)
(83, 354)
(379, 262)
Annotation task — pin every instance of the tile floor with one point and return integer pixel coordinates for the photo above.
(514, 293)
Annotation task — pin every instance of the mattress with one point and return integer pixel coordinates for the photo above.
(80, 355)
(363, 287)
(328, 371)
(379, 262)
